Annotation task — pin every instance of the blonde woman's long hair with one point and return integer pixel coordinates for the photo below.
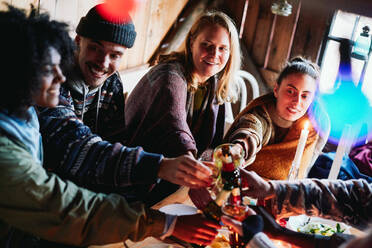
(226, 76)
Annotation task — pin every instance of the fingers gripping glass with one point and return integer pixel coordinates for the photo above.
(222, 154)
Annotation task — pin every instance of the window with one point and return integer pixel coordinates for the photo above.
(345, 25)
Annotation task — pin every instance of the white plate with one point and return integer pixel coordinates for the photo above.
(179, 209)
(296, 221)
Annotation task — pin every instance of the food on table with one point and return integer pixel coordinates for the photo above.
(320, 228)
(219, 242)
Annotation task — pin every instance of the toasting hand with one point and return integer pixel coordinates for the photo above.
(185, 170)
(196, 229)
(255, 186)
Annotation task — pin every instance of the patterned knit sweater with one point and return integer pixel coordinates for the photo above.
(75, 153)
(101, 108)
(346, 201)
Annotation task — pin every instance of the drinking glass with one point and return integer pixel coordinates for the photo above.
(229, 157)
(215, 186)
(237, 212)
(228, 153)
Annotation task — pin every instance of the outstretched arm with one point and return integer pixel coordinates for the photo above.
(248, 131)
(41, 203)
(75, 153)
(347, 201)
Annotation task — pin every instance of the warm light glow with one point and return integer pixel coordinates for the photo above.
(281, 244)
(117, 9)
(306, 125)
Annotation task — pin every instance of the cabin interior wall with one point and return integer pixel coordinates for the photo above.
(152, 18)
(271, 40)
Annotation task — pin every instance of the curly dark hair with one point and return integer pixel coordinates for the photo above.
(25, 45)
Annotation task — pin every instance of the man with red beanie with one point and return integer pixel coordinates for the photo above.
(92, 104)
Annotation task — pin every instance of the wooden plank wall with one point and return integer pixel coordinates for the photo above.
(152, 18)
(271, 40)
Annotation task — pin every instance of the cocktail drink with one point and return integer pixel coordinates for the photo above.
(230, 157)
(227, 159)
(237, 212)
(216, 184)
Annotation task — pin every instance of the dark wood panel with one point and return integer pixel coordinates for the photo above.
(235, 10)
(282, 39)
(234, 7)
(301, 33)
(311, 28)
(251, 23)
(262, 34)
(361, 7)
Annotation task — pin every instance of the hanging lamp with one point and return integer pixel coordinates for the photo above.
(281, 7)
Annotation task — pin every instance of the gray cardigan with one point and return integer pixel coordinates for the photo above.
(159, 114)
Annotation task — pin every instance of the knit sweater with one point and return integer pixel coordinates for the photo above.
(74, 152)
(269, 149)
(101, 108)
(346, 201)
(160, 116)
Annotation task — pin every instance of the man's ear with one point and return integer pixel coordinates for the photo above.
(77, 40)
(276, 89)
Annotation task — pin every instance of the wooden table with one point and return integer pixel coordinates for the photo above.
(180, 196)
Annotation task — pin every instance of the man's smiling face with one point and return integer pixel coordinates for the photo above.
(98, 59)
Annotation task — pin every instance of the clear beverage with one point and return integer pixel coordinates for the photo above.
(216, 184)
(230, 157)
(237, 212)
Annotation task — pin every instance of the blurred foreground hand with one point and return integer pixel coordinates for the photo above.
(196, 229)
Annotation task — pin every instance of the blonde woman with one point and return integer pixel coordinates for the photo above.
(178, 106)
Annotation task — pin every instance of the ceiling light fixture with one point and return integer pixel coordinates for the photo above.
(281, 7)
